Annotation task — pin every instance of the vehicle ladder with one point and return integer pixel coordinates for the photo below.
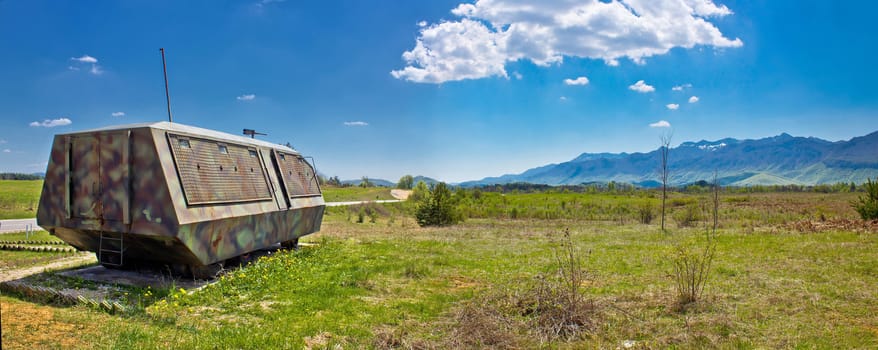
(112, 245)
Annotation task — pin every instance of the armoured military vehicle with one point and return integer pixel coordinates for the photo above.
(167, 193)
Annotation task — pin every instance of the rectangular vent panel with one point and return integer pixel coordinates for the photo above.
(218, 172)
(298, 176)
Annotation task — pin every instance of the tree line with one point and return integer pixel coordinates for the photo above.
(19, 176)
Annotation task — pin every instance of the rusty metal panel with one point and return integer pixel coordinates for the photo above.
(114, 175)
(218, 172)
(273, 172)
(68, 176)
(283, 194)
(85, 177)
(298, 175)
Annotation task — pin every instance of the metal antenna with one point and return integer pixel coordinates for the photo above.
(253, 133)
(167, 93)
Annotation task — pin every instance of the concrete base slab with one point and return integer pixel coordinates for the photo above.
(139, 278)
(156, 277)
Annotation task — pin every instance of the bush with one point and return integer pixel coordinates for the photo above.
(679, 202)
(688, 216)
(691, 270)
(867, 205)
(645, 213)
(557, 303)
(420, 193)
(545, 307)
(438, 209)
(481, 323)
(370, 210)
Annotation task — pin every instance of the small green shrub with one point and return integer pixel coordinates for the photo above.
(645, 213)
(361, 215)
(688, 216)
(738, 199)
(867, 205)
(679, 202)
(438, 209)
(692, 266)
(420, 193)
(414, 271)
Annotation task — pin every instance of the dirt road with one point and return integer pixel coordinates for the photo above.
(400, 194)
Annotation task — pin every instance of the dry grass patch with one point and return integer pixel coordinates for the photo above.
(29, 326)
(481, 323)
(399, 337)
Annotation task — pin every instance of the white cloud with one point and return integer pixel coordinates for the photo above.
(660, 124)
(260, 6)
(118, 114)
(85, 59)
(563, 98)
(681, 87)
(52, 123)
(7, 151)
(641, 87)
(262, 3)
(672, 106)
(693, 99)
(491, 33)
(454, 51)
(247, 97)
(517, 75)
(577, 81)
(422, 24)
(356, 123)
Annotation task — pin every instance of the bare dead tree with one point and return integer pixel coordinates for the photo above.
(665, 148)
(715, 202)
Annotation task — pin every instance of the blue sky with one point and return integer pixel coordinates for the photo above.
(454, 90)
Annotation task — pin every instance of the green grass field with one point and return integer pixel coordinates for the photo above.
(350, 194)
(37, 236)
(19, 198)
(368, 285)
(21, 259)
(791, 270)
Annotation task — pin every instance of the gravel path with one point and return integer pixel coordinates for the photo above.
(81, 259)
(342, 204)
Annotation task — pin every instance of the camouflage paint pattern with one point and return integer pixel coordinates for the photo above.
(124, 180)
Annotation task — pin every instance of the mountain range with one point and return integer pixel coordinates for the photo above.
(777, 160)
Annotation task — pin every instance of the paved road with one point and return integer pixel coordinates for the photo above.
(342, 204)
(17, 225)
